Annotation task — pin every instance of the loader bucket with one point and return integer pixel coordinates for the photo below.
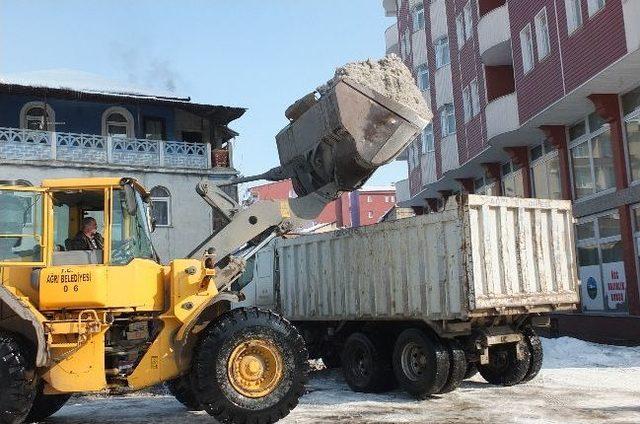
(336, 142)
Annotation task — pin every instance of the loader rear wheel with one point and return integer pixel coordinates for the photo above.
(506, 367)
(182, 390)
(250, 366)
(17, 377)
(44, 405)
(535, 348)
(421, 363)
(366, 364)
(457, 368)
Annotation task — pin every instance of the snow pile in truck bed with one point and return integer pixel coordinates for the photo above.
(388, 76)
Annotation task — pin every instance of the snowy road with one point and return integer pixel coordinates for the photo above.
(580, 383)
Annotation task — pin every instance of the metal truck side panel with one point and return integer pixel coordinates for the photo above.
(489, 256)
(521, 253)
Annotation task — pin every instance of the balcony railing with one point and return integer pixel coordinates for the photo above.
(494, 37)
(502, 115)
(22, 144)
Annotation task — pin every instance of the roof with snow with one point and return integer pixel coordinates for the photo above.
(85, 82)
(74, 84)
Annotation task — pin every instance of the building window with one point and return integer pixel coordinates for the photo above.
(154, 129)
(405, 48)
(466, 104)
(475, 98)
(631, 107)
(594, 6)
(574, 14)
(386, 199)
(393, 199)
(427, 139)
(468, 20)
(526, 45)
(448, 120)
(545, 172)
(369, 199)
(423, 77)
(460, 30)
(370, 214)
(512, 181)
(117, 122)
(161, 206)
(600, 263)
(418, 18)
(37, 116)
(542, 34)
(443, 56)
(591, 157)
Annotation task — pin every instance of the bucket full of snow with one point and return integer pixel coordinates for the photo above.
(363, 118)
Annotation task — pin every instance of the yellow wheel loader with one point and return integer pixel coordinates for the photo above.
(112, 318)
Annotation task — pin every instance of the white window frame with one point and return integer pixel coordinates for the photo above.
(418, 22)
(466, 104)
(573, 9)
(468, 20)
(443, 54)
(475, 97)
(125, 113)
(526, 46)
(423, 71)
(370, 214)
(548, 154)
(587, 137)
(50, 115)
(594, 6)
(427, 134)
(163, 199)
(447, 115)
(460, 33)
(543, 41)
(369, 199)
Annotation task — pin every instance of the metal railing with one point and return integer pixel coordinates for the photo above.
(16, 143)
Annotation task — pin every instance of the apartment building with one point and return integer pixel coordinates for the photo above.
(535, 99)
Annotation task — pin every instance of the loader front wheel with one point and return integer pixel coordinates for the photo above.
(508, 364)
(17, 377)
(250, 366)
(181, 389)
(45, 405)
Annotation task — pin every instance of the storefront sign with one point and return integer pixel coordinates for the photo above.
(591, 287)
(615, 286)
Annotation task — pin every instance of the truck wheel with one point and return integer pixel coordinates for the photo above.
(458, 367)
(250, 367)
(504, 367)
(44, 405)
(535, 348)
(472, 369)
(17, 377)
(181, 389)
(366, 364)
(421, 363)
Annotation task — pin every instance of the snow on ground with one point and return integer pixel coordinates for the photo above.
(580, 382)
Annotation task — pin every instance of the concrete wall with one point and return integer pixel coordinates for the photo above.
(191, 216)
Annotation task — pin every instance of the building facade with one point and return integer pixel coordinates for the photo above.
(365, 206)
(535, 99)
(75, 125)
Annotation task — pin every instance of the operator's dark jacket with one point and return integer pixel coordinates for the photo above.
(82, 242)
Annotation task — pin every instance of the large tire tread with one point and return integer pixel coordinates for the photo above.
(381, 377)
(44, 405)
(513, 371)
(181, 389)
(208, 374)
(458, 367)
(17, 375)
(537, 356)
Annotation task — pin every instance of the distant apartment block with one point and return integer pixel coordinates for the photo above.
(535, 99)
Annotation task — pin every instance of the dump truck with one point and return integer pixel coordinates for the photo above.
(115, 319)
(425, 302)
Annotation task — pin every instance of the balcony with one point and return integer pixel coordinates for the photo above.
(390, 7)
(391, 39)
(502, 115)
(494, 37)
(21, 144)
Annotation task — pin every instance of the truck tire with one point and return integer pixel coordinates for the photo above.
(366, 364)
(44, 405)
(535, 348)
(331, 360)
(472, 370)
(504, 367)
(182, 390)
(458, 367)
(17, 377)
(421, 363)
(250, 366)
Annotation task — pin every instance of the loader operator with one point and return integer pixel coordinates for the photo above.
(88, 238)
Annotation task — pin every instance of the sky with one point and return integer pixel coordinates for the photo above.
(258, 54)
